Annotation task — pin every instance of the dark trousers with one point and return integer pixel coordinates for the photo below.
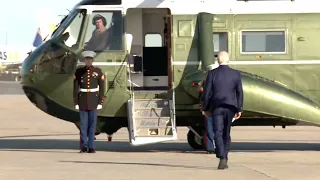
(88, 121)
(209, 134)
(222, 120)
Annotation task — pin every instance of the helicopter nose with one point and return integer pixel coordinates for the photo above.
(28, 70)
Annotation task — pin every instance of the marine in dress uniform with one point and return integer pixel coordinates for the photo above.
(88, 96)
(223, 100)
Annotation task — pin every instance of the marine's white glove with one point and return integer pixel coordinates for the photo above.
(76, 106)
(99, 106)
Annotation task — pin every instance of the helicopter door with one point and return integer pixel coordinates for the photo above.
(155, 51)
(153, 120)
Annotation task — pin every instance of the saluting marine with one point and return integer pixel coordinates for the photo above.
(88, 96)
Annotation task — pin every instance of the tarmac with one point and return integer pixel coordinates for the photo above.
(34, 145)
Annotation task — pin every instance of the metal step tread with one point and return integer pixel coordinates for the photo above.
(151, 100)
(152, 136)
(146, 117)
(151, 108)
(152, 127)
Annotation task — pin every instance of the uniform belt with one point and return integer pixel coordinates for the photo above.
(89, 90)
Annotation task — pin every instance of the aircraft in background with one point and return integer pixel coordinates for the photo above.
(12, 57)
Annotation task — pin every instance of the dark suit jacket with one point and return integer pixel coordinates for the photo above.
(223, 87)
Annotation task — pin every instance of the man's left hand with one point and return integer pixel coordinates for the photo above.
(99, 106)
(206, 113)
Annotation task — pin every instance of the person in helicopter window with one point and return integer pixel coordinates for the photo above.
(100, 36)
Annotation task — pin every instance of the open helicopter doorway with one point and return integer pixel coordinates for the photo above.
(151, 48)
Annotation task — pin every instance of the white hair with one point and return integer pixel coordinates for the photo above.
(223, 57)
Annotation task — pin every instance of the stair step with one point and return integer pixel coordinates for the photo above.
(147, 122)
(155, 99)
(154, 103)
(161, 112)
(151, 108)
(151, 118)
(157, 132)
(151, 127)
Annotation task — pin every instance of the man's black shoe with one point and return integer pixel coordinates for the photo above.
(222, 164)
(83, 150)
(91, 150)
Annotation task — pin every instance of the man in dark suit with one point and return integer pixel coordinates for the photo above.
(223, 101)
(208, 137)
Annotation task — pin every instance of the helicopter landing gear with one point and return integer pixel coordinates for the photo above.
(195, 138)
(109, 137)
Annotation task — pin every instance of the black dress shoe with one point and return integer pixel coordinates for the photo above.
(91, 150)
(222, 164)
(83, 150)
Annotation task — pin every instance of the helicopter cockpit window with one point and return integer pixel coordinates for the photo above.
(58, 59)
(70, 36)
(105, 31)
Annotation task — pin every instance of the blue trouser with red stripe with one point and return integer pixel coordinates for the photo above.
(88, 121)
(209, 135)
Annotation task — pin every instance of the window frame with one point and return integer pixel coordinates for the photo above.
(97, 10)
(265, 30)
(67, 22)
(228, 40)
(144, 39)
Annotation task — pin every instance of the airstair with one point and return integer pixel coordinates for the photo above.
(151, 120)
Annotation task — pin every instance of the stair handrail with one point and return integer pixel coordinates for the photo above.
(131, 93)
(173, 99)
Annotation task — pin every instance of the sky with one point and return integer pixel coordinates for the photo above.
(21, 19)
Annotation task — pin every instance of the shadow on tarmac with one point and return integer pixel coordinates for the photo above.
(58, 145)
(139, 164)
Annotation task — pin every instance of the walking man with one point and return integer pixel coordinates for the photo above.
(209, 133)
(88, 96)
(223, 101)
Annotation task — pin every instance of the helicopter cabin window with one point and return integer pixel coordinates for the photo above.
(105, 31)
(153, 40)
(58, 59)
(220, 42)
(263, 42)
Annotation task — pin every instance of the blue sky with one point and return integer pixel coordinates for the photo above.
(20, 19)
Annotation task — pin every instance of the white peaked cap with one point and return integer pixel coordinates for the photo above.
(90, 54)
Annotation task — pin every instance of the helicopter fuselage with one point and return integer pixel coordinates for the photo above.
(275, 51)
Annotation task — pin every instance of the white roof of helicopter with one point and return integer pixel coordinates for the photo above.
(218, 6)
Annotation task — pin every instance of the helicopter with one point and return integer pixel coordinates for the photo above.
(158, 54)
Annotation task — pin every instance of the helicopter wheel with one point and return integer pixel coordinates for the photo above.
(194, 141)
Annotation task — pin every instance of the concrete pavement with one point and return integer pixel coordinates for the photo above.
(34, 145)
